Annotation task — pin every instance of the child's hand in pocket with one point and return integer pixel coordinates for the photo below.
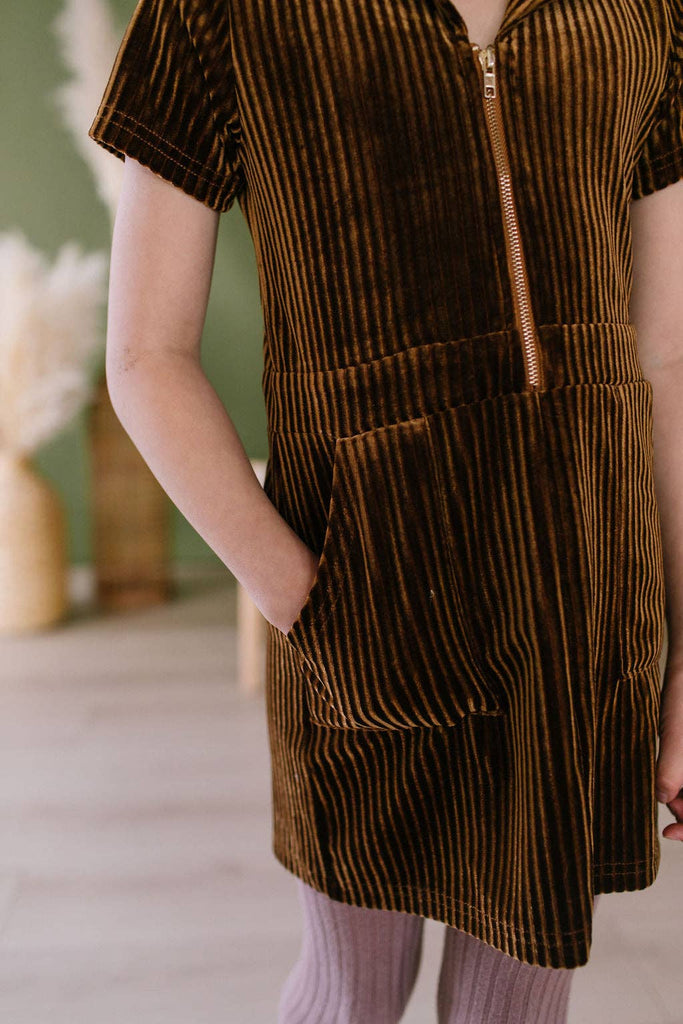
(299, 584)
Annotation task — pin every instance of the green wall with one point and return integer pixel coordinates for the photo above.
(47, 191)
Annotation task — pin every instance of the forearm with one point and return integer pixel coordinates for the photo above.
(667, 384)
(181, 428)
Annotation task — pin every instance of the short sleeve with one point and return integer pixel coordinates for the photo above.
(660, 159)
(170, 100)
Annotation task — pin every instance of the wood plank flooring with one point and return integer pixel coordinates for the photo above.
(137, 885)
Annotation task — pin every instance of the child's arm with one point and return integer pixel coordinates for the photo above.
(162, 258)
(657, 312)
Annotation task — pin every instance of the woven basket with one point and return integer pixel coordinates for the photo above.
(33, 549)
(130, 515)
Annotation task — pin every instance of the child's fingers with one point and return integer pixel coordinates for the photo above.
(674, 830)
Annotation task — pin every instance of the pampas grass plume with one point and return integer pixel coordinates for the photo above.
(48, 331)
(88, 40)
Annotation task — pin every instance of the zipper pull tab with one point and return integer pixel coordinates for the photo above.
(487, 59)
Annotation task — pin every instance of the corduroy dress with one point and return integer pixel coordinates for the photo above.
(463, 717)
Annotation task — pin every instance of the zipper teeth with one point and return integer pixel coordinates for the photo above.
(518, 271)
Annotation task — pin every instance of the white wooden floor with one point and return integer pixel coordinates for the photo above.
(137, 883)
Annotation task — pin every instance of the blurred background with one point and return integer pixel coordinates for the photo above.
(137, 881)
(48, 191)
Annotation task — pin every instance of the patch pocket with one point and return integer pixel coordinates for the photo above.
(383, 633)
(637, 541)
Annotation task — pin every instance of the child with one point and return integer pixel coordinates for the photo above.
(458, 547)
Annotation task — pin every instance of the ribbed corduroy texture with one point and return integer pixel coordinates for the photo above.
(463, 718)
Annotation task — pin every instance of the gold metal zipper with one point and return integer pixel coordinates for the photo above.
(518, 272)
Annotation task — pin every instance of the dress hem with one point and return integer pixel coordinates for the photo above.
(565, 949)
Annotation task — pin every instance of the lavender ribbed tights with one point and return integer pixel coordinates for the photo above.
(359, 966)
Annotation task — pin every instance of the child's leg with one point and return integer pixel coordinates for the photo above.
(478, 984)
(356, 964)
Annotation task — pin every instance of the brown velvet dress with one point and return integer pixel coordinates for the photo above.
(463, 717)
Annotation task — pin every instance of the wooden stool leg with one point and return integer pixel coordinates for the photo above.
(250, 643)
(251, 626)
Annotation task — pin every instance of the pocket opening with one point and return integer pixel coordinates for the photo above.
(383, 633)
(319, 601)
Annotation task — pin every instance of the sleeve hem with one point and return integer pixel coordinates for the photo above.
(665, 170)
(122, 135)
